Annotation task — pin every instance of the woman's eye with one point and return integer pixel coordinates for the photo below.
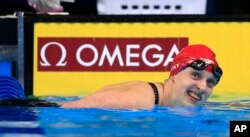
(211, 83)
(195, 75)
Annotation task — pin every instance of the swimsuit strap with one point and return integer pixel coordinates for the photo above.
(155, 92)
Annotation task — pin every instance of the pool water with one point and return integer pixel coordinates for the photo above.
(211, 119)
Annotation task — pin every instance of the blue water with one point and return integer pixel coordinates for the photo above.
(212, 119)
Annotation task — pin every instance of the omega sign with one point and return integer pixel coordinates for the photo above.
(107, 54)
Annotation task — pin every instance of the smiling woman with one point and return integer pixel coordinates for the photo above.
(194, 73)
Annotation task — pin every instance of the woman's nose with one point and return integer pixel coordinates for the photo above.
(202, 84)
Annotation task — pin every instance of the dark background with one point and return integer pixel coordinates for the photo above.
(88, 7)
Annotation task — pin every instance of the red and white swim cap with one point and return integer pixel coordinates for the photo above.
(191, 53)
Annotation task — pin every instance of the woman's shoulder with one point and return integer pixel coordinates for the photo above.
(141, 83)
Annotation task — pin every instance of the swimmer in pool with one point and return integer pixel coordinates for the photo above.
(194, 73)
(193, 76)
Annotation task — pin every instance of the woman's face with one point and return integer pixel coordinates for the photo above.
(192, 87)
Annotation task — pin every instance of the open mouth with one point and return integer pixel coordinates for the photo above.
(194, 96)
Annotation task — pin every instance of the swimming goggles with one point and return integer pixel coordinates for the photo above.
(201, 65)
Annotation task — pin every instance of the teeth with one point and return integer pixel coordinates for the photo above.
(194, 95)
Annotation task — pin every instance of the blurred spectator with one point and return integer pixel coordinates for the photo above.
(44, 6)
(80, 7)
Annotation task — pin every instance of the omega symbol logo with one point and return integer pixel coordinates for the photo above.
(61, 62)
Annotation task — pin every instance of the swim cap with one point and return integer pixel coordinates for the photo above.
(10, 88)
(191, 53)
